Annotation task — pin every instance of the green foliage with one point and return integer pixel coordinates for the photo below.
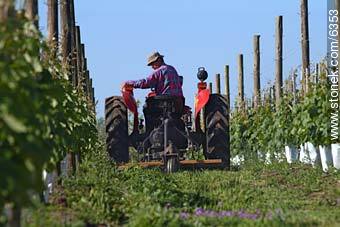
(293, 122)
(253, 131)
(101, 130)
(282, 194)
(312, 116)
(41, 116)
(238, 127)
(284, 117)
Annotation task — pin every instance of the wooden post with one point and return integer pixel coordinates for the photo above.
(84, 76)
(87, 84)
(84, 68)
(278, 69)
(5, 8)
(210, 87)
(257, 81)
(52, 40)
(273, 94)
(84, 82)
(31, 11)
(66, 49)
(284, 87)
(227, 86)
(294, 75)
(74, 70)
(316, 76)
(290, 85)
(266, 97)
(250, 103)
(90, 91)
(305, 45)
(93, 100)
(73, 20)
(52, 25)
(227, 95)
(14, 216)
(218, 83)
(240, 83)
(323, 72)
(80, 57)
(73, 45)
(66, 38)
(84, 56)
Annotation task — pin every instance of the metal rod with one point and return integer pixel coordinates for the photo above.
(166, 122)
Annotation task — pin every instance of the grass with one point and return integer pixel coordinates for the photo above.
(256, 195)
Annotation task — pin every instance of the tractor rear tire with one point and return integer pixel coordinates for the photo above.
(217, 121)
(116, 122)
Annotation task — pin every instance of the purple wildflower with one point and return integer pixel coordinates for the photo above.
(227, 213)
(199, 211)
(211, 213)
(184, 215)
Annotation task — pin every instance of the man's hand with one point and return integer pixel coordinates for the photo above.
(122, 86)
(126, 86)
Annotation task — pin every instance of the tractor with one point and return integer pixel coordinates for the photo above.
(167, 138)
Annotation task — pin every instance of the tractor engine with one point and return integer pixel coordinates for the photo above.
(156, 110)
(156, 138)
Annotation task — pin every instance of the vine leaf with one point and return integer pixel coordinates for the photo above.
(13, 123)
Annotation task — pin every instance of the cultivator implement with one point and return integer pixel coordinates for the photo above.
(183, 165)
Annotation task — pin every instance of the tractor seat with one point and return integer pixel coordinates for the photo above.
(165, 97)
(173, 104)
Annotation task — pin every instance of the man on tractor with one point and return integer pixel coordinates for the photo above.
(163, 81)
(168, 135)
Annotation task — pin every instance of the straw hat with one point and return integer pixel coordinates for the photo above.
(154, 57)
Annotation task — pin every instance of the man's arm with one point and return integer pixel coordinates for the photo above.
(149, 82)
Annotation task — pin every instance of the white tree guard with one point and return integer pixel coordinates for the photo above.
(304, 157)
(237, 160)
(314, 154)
(336, 155)
(292, 154)
(326, 157)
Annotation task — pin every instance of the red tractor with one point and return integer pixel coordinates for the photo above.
(167, 138)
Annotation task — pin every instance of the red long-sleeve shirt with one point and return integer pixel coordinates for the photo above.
(164, 80)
